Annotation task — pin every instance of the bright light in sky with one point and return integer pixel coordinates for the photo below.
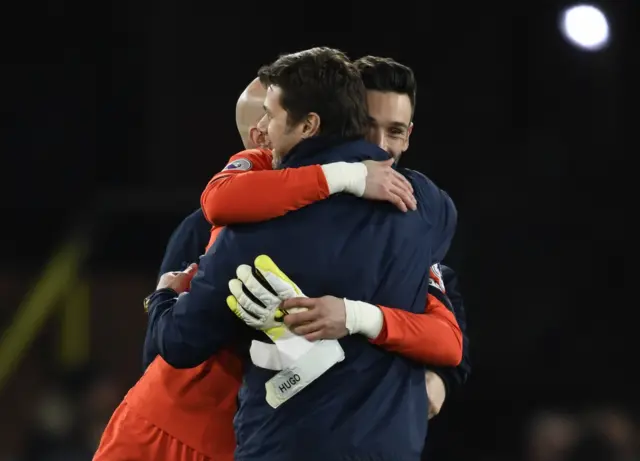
(586, 27)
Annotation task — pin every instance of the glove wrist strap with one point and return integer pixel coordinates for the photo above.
(290, 381)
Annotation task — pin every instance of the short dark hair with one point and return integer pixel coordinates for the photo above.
(321, 80)
(388, 75)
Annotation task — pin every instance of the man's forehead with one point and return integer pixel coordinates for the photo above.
(389, 108)
(272, 97)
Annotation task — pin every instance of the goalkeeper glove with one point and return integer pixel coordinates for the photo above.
(303, 361)
(256, 297)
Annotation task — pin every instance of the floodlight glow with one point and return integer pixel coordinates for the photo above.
(586, 27)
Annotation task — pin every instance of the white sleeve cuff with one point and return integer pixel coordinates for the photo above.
(363, 318)
(346, 177)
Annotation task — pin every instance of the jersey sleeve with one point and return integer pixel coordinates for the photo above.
(432, 338)
(249, 190)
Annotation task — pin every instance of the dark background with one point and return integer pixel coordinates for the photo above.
(118, 114)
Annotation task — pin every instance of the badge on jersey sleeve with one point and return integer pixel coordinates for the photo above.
(242, 164)
(435, 277)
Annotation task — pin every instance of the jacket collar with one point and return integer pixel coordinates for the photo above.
(323, 150)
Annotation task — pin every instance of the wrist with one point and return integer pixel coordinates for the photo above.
(345, 177)
(363, 318)
(163, 293)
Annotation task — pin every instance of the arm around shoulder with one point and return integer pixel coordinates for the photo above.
(190, 328)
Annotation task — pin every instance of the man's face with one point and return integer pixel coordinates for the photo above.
(274, 123)
(391, 126)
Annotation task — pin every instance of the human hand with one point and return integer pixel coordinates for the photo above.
(386, 184)
(178, 281)
(324, 318)
(436, 391)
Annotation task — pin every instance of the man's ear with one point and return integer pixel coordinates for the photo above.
(311, 125)
(258, 138)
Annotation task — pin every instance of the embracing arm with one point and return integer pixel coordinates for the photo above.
(189, 328)
(431, 338)
(186, 244)
(249, 190)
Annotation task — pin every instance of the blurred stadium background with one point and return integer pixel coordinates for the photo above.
(119, 112)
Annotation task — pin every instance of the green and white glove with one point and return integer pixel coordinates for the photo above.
(256, 295)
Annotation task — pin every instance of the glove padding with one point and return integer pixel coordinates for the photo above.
(258, 293)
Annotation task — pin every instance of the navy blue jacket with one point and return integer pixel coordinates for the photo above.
(373, 405)
(191, 237)
(185, 246)
(187, 243)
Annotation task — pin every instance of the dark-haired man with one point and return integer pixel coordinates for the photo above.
(316, 108)
(391, 98)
